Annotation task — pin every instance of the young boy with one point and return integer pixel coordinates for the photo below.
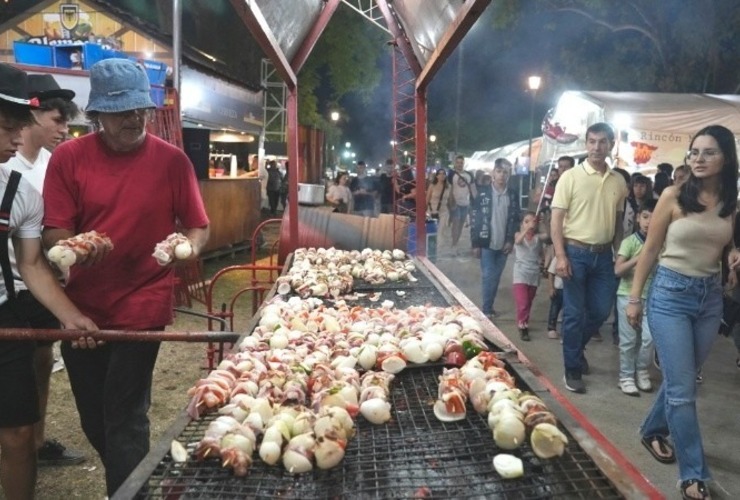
(23, 211)
(55, 110)
(556, 299)
(634, 357)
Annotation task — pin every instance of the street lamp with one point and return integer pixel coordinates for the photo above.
(334, 116)
(534, 85)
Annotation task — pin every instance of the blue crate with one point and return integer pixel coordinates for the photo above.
(431, 230)
(95, 53)
(158, 96)
(62, 54)
(33, 53)
(155, 70)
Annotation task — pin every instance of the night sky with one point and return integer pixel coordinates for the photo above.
(493, 88)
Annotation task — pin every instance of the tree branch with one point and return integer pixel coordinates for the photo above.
(621, 27)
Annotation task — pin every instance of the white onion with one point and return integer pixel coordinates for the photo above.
(376, 410)
(178, 451)
(183, 250)
(434, 351)
(508, 466)
(547, 441)
(440, 411)
(67, 259)
(509, 433)
(413, 351)
(368, 356)
(278, 341)
(296, 463)
(328, 453)
(55, 253)
(255, 422)
(393, 364)
(270, 452)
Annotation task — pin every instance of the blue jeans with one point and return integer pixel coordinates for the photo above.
(588, 296)
(684, 315)
(492, 264)
(633, 356)
(112, 389)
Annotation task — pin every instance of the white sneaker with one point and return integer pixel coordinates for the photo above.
(628, 387)
(553, 334)
(643, 381)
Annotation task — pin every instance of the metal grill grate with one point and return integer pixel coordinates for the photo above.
(412, 456)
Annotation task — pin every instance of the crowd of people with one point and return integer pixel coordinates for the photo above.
(651, 250)
(118, 180)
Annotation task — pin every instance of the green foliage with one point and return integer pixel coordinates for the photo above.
(346, 56)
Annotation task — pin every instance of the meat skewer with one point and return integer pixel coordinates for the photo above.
(175, 247)
(67, 252)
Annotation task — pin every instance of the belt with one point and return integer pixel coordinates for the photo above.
(598, 248)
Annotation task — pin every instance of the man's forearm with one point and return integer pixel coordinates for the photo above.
(198, 237)
(556, 232)
(618, 231)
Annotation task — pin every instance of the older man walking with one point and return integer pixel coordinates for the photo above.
(586, 225)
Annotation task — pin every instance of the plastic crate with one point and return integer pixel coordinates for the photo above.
(155, 70)
(33, 53)
(158, 96)
(63, 53)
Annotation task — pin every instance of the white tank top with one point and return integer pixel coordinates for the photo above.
(694, 244)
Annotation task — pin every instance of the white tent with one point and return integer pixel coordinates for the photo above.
(651, 127)
(517, 153)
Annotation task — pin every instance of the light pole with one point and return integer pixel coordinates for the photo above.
(334, 116)
(534, 85)
(432, 141)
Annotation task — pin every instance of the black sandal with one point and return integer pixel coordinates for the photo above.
(665, 449)
(701, 487)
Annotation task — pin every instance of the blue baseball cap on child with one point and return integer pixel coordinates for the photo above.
(118, 85)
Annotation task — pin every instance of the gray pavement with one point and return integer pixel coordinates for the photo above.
(616, 415)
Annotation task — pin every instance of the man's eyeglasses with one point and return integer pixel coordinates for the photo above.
(138, 113)
(707, 154)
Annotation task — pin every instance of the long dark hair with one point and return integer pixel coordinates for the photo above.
(688, 196)
(436, 173)
(339, 176)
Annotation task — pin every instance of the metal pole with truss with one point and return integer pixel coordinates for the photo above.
(404, 151)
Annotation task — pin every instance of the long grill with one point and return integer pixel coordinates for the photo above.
(412, 456)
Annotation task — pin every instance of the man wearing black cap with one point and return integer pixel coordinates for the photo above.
(21, 211)
(134, 187)
(55, 110)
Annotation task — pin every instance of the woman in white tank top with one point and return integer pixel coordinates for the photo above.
(692, 224)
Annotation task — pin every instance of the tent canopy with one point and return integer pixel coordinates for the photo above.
(651, 128)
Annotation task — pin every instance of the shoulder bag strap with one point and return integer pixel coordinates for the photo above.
(442, 195)
(5, 206)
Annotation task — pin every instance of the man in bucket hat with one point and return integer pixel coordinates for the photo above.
(134, 187)
(55, 110)
(21, 211)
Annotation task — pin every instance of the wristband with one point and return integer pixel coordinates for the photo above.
(634, 300)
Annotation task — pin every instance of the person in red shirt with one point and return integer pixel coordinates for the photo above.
(134, 187)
